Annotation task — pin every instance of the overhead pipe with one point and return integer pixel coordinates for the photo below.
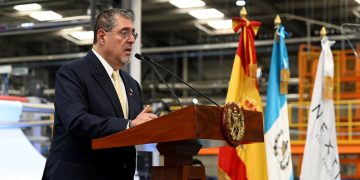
(228, 45)
(47, 26)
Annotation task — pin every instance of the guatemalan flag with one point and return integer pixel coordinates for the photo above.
(277, 138)
(321, 157)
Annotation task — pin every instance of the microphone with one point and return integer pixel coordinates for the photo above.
(148, 59)
(138, 56)
(347, 39)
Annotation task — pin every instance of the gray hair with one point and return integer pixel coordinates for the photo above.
(106, 19)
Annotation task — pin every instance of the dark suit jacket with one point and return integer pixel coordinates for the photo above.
(87, 107)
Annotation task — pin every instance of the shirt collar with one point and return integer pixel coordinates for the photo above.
(106, 65)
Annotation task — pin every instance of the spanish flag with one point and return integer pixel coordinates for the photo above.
(246, 161)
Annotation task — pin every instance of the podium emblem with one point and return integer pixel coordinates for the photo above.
(233, 124)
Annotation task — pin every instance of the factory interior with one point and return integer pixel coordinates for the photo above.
(197, 50)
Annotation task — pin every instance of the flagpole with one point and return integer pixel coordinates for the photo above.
(277, 23)
(323, 32)
(276, 129)
(321, 157)
(243, 13)
(246, 161)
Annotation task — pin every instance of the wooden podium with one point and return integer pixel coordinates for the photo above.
(177, 136)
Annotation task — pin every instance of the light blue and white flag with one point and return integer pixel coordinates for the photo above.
(321, 157)
(277, 138)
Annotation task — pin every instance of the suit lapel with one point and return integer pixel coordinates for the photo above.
(104, 81)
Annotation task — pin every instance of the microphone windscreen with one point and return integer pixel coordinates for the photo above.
(138, 56)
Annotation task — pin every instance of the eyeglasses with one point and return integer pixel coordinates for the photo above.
(126, 32)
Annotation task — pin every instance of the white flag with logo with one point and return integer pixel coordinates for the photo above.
(321, 157)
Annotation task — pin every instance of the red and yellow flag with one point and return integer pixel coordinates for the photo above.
(246, 161)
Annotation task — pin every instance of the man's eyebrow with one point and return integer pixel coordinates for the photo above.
(127, 28)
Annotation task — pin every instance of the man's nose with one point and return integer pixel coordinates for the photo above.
(131, 38)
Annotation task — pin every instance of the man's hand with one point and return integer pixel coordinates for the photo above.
(143, 117)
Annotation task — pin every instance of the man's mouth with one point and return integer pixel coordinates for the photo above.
(129, 49)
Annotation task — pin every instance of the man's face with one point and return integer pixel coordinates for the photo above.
(119, 41)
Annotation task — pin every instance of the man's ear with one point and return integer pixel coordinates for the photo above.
(101, 36)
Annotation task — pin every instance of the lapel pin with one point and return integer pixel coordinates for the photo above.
(131, 92)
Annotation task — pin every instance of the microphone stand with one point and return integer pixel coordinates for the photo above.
(148, 59)
(347, 39)
(163, 80)
(138, 56)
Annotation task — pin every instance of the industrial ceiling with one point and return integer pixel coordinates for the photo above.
(164, 25)
(172, 36)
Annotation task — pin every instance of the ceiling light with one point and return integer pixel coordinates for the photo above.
(356, 11)
(83, 35)
(220, 24)
(28, 7)
(206, 13)
(78, 36)
(187, 3)
(45, 15)
(213, 32)
(69, 30)
(26, 25)
(240, 3)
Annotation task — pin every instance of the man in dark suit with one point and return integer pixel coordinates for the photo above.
(95, 98)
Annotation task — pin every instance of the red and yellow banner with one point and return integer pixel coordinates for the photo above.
(246, 161)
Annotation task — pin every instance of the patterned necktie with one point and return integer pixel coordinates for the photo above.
(120, 90)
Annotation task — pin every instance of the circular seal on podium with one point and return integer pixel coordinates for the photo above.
(233, 124)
